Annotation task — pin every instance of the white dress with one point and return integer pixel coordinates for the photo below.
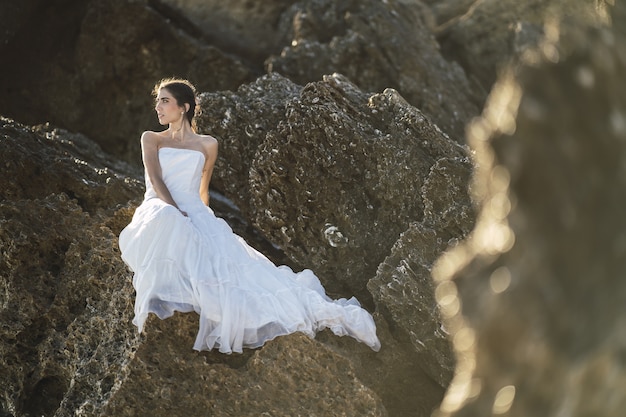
(197, 263)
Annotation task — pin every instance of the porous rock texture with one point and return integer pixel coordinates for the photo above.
(334, 176)
(67, 343)
(378, 45)
(65, 304)
(91, 57)
(413, 169)
(348, 156)
(292, 375)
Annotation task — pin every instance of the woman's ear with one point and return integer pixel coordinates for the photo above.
(186, 107)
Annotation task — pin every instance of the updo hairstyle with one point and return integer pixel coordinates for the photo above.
(184, 92)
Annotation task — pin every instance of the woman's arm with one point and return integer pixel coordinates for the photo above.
(150, 155)
(210, 155)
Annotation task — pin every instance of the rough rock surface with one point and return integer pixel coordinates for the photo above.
(65, 306)
(532, 301)
(93, 57)
(67, 345)
(338, 181)
(334, 176)
(89, 58)
(331, 174)
(535, 298)
(378, 45)
(403, 285)
(290, 376)
(384, 126)
(65, 300)
(74, 172)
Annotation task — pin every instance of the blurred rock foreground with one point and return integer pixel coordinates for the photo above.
(459, 166)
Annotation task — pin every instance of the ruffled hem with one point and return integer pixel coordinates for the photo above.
(197, 263)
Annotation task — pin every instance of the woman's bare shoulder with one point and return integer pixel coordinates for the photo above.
(209, 147)
(151, 137)
(151, 133)
(208, 141)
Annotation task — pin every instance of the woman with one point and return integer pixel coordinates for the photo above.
(186, 259)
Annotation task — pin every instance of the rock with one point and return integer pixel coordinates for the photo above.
(340, 179)
(42, 160)
(102, 58)
(67, 344)
(319, 173)
(403, 287)
(240, 121)
(246, 29)
(367, 42)
(483, 43)
(288, 376)
(534, 299)
(90, 67)
(90, 190)
(66, 295)
(334, 176)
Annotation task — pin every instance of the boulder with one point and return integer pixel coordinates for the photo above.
(403, 286)
(246, 29)
(43, 160)
(102, 58)
(351, 142)
(534, 299)
(492, 33)
(67, 298)
(289, 376)
(67, 345)
(90, 67)
(349, 178)
(378, 45)
(334, 176)
(330, 174)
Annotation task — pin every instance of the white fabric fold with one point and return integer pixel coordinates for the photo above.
(197, 263)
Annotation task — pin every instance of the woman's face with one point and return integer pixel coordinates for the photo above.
(166, 108)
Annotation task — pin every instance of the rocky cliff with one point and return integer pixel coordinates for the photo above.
(534, 297)
(490, 259)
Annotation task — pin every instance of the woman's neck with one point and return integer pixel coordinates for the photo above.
(180, 131)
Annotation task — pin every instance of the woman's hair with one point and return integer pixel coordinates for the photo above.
(184, 92)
